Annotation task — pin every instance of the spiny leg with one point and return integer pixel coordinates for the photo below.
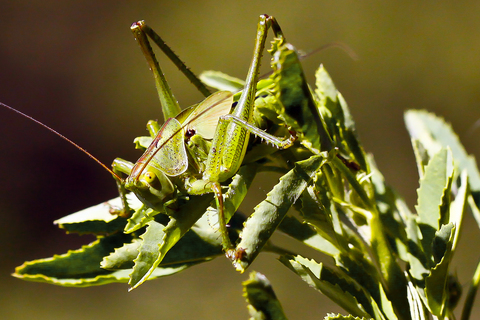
(170, 106)
(226, 243)
(231, 137)
(273, 140)
(174, 58)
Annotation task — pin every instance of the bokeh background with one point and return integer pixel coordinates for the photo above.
(75, 66)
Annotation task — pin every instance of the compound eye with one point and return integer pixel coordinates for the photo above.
(150, 177)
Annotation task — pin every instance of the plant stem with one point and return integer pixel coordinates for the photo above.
(472, 292)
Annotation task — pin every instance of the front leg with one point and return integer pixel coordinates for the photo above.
(120, 166)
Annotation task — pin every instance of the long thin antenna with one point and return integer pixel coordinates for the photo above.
(336, 44)
(64, 138)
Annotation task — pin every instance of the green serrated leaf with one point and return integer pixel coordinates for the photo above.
(442, 241)
(337, 285)
(262, 302)
(200, 243)
(323, 194)
(433, 132)
(295, 104)
(304, 233)
(195, 246)
(360, 268)
(97, 219)
(433, 187)
(385, 305)
(457, 207)
(435, 283)
(148, 253)
(270, 212)
(139, 219)
(76, 267)
(321, 220)
(337, 118)
(393, 211)
(419, 262)
(158, 240)
(332, 316)
(325, 89)
(421, 156)
(119, 276)
(122, 257)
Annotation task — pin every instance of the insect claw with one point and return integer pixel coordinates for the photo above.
(240, 254)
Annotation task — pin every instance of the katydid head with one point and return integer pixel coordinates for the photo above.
(165, 156)
(151, 185)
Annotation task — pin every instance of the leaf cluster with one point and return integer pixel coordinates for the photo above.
(386, 262)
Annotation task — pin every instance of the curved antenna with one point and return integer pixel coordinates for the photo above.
(304, 55)
(474, 127)
(64, 138)
(336, 44)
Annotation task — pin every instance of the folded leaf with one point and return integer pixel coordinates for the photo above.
(270, 212)
(337, 285)
(262, 302)
(97, 219)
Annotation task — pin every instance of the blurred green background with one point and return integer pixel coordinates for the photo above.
(75, 66)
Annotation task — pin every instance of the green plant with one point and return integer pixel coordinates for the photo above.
(389, 263)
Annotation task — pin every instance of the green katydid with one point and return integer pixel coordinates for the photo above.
(180, 159)
(167, 156)
(169, 165)
(151, 177)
